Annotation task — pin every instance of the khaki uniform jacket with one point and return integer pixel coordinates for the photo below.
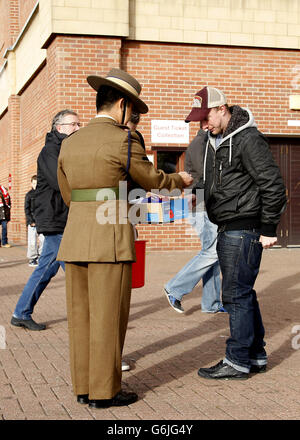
(96, 157)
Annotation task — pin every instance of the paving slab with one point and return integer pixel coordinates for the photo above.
(164, 349)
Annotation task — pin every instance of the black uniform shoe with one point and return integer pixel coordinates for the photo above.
(121, 399)
(258, 368)
(83, 398)
(30, 324)
(222, 371)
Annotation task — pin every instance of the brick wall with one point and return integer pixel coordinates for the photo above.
(61, 83)
(10, 27)
(70, 61)
(14, 143)
(25, 8)
(14, 26)
(5, 149)
(177, 236)
(4, 30)
(35, 122)
(14, 14)
(261, 79)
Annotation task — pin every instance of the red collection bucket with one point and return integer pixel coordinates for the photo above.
(138, 268)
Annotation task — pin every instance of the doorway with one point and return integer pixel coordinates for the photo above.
(286, 152)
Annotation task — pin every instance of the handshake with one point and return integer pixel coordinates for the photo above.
(186, 177)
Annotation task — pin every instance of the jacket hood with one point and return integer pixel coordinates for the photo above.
(241, 118)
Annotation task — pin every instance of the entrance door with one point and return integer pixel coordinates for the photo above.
(286, 152)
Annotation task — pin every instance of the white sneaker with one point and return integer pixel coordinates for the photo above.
(125, 366)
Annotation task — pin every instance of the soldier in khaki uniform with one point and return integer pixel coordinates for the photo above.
(99, 254)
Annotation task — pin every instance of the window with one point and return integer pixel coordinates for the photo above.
(169, 160)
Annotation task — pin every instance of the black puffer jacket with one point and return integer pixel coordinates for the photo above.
(50, 210)
(243, 185)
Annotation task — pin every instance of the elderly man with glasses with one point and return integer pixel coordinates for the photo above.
(51, 216)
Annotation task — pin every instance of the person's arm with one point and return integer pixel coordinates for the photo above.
(142, 141)
(188, 165)
(145, 174)
(27, 208)
(48, 165)
(267, 242)
(194, 158)
(63, 182)
(258, 161)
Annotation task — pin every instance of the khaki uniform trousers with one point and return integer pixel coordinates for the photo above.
(98, 302)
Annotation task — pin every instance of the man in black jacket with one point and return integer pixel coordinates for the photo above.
(50, 215)
(244, 196)
(205, 264)
(34, 240)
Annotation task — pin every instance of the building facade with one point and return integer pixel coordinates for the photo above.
(247, 48)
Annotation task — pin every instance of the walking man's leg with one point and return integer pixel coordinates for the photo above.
(32, 252)
(4, 232)
(38, 281)
(211, 291)
(41, 239)
(204, 266)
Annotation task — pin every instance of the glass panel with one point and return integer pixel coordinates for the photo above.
(167, 161)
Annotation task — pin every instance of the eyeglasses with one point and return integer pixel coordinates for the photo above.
(72, 123)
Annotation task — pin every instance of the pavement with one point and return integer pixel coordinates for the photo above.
(164, 349)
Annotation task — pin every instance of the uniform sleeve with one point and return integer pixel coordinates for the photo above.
(143, 172)
(62, 180)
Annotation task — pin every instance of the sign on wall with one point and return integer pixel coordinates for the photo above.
(293, 123)
(169, 132)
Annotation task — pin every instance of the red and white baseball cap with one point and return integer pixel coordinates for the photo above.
(204, 100)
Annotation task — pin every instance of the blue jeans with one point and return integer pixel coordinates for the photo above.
(4, 231)
(240, 256)
(203, 266)
(40, 278)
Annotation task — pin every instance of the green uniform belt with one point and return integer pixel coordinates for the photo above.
(91, 195)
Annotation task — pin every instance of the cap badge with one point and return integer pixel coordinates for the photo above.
(197, 102)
